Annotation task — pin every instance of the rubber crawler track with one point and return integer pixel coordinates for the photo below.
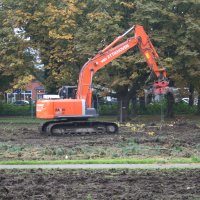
(65, 127)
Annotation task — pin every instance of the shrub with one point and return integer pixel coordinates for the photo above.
(154, 108)
(182, 108)
(179, 108)
(13, 110)
(108, 109)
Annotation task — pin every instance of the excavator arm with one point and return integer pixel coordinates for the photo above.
(111, 52)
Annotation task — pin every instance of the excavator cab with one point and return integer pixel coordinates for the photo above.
(67, 92)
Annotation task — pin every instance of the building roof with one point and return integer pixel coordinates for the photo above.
(41, 87)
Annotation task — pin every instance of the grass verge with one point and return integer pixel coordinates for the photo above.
(105, 161)
(20, 120)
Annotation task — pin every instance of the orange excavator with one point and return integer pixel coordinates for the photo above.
(70, 116)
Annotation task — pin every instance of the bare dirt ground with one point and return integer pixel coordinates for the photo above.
(100, 184)
(178, 138)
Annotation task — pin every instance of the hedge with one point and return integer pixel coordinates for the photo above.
(104, 109)
(14, 110)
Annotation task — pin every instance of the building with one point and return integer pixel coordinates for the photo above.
(36, 88)
(33, 91)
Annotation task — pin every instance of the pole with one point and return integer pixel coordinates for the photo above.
(161, 111)
(31, 105)
(121, 110)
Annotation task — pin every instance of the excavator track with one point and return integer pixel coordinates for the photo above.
(60, 128)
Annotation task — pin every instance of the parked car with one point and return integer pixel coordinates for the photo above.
(186, 100)
(21, 103)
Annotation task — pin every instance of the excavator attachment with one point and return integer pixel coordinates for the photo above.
(160, 87)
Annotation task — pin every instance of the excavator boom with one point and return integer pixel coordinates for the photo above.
(112, 52)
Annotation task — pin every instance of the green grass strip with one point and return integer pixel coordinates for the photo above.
(105, 161)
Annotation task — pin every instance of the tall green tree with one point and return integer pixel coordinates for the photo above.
(110, 19)
(105, 21)
(66, 33)
(49, 27)
(16, 58)
(174, 26)
(187, 52)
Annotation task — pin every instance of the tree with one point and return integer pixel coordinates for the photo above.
(174, 26)
(66, 33)
(105, 21)
(49, 27)
(187, 60)
(17, 58)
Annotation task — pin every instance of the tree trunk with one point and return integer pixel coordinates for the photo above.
(5, 97)
(124, 109)
(170, 105)
(191, 95)
(134, 106)
(198, 105)
(142, 103)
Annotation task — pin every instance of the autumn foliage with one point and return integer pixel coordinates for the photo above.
(61, 35)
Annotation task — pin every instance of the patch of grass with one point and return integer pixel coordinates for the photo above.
(198, 146)
(195, 159)
(71, 152)
(139, 118)
(131, 149)
(15, 149)
(54, 151)
(10, 148)
(20, 120)
(89, 197)
(106, 161)
(3, 146)
(177, 149)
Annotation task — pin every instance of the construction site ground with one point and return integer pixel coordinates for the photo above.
(141, 138)
(100, 184)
